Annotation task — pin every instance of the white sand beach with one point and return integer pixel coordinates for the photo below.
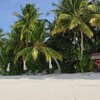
(51, 87)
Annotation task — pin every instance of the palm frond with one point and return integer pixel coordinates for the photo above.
(48, 57)
(17, 15)
(50, 53)
(95, 21)
(93, 7)
(54, 53)
(63, 16)
(34, 53)
(22, 52)
(28, 56)
(86, 30)
(9, 47)
(74, 23)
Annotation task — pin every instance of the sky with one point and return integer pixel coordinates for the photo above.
(8, 7)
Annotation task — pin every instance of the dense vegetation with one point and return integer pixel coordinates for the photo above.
(36, 45)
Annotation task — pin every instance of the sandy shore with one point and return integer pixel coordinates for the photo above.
(51, 87)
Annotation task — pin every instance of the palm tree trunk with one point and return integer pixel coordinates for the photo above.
(8, 67)
(57, 64)
(24, 65)
(50, 64)
(81, 45)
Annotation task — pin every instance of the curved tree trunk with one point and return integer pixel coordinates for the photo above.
(57, 64)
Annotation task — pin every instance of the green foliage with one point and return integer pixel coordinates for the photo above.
(84, 65)
(95, 21)
(27, 21)
(37, 41)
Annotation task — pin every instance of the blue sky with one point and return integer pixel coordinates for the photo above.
(8, 7)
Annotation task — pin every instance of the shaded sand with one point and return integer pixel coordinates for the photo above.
(51, 87)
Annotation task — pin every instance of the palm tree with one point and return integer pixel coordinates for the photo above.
(15, 45)
(27, 21)
(32, 32)
(26, 24)
(74, 15)
(38, 46)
